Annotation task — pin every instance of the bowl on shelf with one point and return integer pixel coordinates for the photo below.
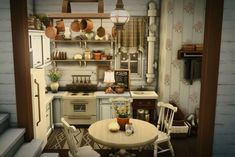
(119, 90)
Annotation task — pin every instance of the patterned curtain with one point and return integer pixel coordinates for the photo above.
(131, 38)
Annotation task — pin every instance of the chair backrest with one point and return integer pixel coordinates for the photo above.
(166, 116)
(69, 133)
(119, 102)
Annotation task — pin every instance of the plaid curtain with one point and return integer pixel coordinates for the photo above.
(131, 38)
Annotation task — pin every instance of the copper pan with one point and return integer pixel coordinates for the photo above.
(51, 32)
(114, 32)
(75, 26)
(101, 31)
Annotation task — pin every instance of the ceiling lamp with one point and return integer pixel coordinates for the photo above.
(119, 16)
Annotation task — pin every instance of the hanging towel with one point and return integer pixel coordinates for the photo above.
(192, 69)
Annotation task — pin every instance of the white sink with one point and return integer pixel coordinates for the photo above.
(144, 94)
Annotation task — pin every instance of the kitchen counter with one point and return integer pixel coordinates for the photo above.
(50, 96)
(144, 95)
(102, 94)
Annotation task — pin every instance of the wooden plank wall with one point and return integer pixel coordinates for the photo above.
(7, 80)
(224, 135)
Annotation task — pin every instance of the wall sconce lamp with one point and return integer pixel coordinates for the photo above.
(119, 16)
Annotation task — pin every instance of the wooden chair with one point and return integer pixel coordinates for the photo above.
(74, 150)
(165, 120)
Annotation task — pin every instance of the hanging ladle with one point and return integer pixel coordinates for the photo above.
(101, 31)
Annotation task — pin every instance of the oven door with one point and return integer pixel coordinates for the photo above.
(81, 109)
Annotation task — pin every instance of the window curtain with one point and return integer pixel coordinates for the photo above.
(131, 38)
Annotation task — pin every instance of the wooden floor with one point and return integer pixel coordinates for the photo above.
(184, 147)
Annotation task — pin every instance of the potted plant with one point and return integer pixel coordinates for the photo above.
(119, 88)
(123, 115)
(54, 75)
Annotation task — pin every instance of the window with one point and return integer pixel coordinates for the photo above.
(134, 62)
(131, 47)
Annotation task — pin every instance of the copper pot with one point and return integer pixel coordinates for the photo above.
(51, 32)
(97, 55)
(75, 26)
(119, 90)
(86, 25)
(60, 26)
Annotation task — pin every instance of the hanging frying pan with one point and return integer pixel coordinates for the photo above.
(101, 31)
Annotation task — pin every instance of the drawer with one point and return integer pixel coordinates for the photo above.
(144, 103)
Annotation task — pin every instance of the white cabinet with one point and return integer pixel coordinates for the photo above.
(46, 50)
(38, 105)
(49, 118)
(39, 47)
(106, 111)
(104, 106)
(57, 111)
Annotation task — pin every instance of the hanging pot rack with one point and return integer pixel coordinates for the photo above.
(67, 14)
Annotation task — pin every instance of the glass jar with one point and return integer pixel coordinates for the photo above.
(87, 55)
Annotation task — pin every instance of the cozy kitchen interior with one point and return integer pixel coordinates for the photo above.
(151, 70)
(81, 71)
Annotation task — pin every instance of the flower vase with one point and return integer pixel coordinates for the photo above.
(122, 122)
(54, 87)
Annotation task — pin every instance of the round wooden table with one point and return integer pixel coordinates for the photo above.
(144, 133)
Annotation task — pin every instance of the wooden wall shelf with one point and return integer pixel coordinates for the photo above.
(189, 54)
(75, 41)
(79, 15)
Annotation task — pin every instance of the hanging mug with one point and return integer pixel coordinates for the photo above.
(86, 25)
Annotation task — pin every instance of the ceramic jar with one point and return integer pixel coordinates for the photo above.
(54, 87)
(87, 55)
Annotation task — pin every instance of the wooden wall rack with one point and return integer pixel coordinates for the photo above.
(67, 14)
(189, 54)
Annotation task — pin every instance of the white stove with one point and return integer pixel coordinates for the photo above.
(79, 95)
(79, 108)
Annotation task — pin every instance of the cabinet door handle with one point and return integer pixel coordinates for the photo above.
(38, 96)
(38, 62)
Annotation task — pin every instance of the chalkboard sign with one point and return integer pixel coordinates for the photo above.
(122, 76)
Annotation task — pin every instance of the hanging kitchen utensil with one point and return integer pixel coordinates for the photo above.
(60, 26)
(51, 31)
(86, 25)
(101, 31)
(75, 26)
(114, 32)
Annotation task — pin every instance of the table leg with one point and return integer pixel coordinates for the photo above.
(122, 153)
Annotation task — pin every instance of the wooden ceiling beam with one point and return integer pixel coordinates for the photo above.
(66, 6)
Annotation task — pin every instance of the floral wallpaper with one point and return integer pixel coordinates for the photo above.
(182, 21)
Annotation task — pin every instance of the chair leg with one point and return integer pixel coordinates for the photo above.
(171, 148)
(155, 150)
